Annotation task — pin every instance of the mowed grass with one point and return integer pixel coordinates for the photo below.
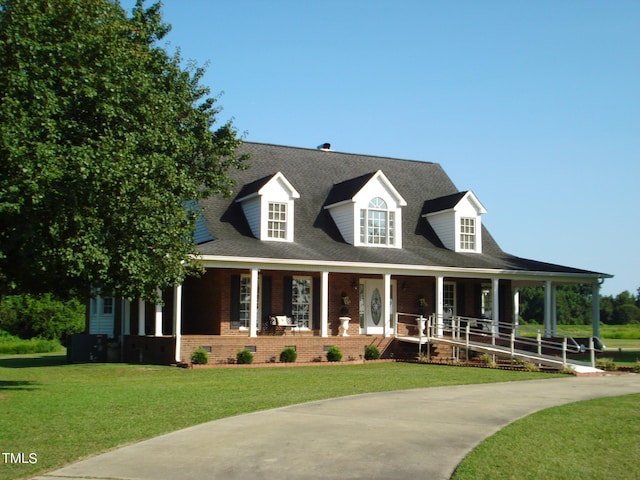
(594, 439)
(64, 412)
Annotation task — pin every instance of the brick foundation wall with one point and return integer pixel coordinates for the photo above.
(267, 349)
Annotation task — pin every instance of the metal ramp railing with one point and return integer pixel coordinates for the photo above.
(495, 338)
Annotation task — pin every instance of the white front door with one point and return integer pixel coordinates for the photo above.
(372, 311)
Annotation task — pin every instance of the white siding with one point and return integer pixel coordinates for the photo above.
(251, 209)
(444, 226)
(101, 319)
(343, 216)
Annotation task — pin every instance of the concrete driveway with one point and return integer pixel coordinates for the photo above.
(420, 433)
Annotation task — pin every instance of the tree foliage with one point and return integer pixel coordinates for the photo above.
(103, 137)
(42, 316)
(574, 306)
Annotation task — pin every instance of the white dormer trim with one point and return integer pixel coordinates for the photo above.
(270, 209)
(460, 227)
(378, 180)
(376, 198)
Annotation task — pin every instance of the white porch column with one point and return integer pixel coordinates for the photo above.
(495, 305)
(547, 308)
(439, 304)
(177, 319)
(554, 311)
(324, 304)
(595, 309)
(158, 317)
(516, 311)
(386, 310)
(253, 308)
(141, 317)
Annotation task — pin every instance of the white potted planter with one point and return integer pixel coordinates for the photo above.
(344, 323)
(421, 322)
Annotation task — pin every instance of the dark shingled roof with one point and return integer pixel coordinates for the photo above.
(326, 177)
(442, 203)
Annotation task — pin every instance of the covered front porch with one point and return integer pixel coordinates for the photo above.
(232, 306)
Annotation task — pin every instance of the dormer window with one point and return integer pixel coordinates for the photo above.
(277, 227)
(367, 211)
(468, 234)
(268, 207)
(457, 221)
(377, 223)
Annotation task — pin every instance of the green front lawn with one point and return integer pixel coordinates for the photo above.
(64, 412)
(596, 440)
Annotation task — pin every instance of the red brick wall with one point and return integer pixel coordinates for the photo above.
(267, 349)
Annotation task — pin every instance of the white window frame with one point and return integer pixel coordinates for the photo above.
(486, 301)
(277, 220)
(384, 233)
(245, 302)
(302, 301)
(449, 299)
(468, 234)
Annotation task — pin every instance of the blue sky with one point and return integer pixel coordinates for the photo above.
(533, 105)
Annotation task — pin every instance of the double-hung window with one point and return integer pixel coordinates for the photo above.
(467, 233)
(245, 300)
(377, 223)
(301, 301)
(277, 226)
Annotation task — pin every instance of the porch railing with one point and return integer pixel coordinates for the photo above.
(469, 332)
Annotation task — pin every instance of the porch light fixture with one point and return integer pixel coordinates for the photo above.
(404, 286)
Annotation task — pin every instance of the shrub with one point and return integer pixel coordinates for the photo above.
(488, 360)
(43, 316)
(606, 363)
(200, 357)
(371, 352)
(11, 345)
(244, 357)
(334, 354)
(530, 367)
(288, 355)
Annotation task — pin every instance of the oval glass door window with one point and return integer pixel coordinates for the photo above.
(376, 306)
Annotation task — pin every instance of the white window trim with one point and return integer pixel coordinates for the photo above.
(393, 221)
(279, 209)
(477, 235)
(310, 304)
(245, 278)
(464, 223)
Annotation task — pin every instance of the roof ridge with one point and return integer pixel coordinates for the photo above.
(339, 152)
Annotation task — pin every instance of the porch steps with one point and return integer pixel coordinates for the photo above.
(504, 351)
(410, 351)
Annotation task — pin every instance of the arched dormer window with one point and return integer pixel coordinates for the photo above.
(367, 211)
(377, 223)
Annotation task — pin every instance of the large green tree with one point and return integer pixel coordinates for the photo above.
(103, 136)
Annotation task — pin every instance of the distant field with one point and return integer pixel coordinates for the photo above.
(607, 332)
(615, 344)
